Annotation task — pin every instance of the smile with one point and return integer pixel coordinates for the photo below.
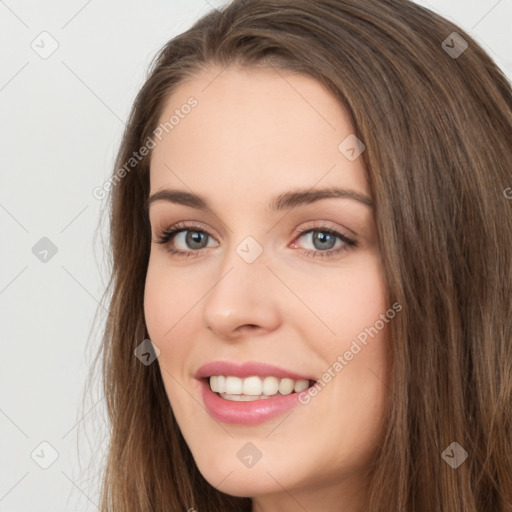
(249, 393)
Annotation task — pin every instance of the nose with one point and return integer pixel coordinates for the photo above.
(243, 299)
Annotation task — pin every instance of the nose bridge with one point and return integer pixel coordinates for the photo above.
(241, 294)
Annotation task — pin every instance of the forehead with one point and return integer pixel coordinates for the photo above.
(253, 129)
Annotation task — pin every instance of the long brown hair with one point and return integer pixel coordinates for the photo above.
(437, 128)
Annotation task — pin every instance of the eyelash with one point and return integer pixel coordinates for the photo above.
(170, 232)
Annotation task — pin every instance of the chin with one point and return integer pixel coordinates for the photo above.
(243, 483)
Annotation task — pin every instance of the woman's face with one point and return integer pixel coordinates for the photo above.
(251, 288)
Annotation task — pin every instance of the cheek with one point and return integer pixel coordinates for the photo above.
(164, 305)
(363, 298)
(172, 310)
(345, 301)
(168, 297)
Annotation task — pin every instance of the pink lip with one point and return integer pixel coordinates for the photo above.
(247, 369)
(246, 413)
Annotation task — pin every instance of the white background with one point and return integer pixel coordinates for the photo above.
(61, 124)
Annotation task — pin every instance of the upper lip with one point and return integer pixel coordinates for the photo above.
(247, 369)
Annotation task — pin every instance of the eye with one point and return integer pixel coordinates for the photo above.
(325, 241)
(190, 236)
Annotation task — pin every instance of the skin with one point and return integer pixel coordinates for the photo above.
(254, 134)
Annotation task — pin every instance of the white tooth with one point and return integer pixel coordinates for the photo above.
(255, 386)
(252, 386)
(233, 385)
(270, 386)
(286, 386)
(301, 385)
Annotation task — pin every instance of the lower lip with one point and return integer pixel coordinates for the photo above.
(246, 413)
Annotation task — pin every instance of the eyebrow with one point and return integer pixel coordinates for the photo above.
(285, 201)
